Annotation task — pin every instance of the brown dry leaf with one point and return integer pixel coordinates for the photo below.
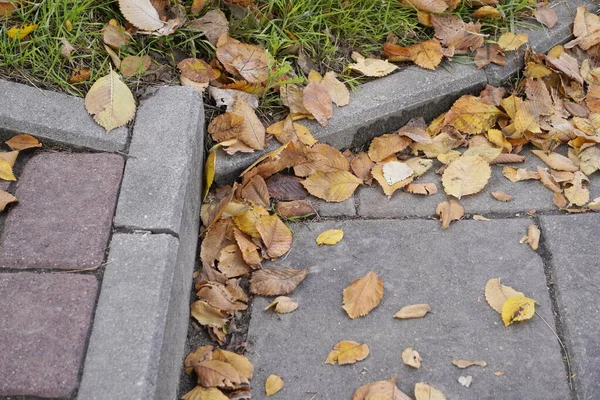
(286, 187)
(532, 238)
(283, 305)
(548, 180)
(22, 142)
(449, 211)
(197, 70)
(510, 41)
(577, 191)
(546, 15)
(286, 131)
(384, 390)
(7, 7)
(337, 90)
(200, 393)
(239, 362)
(66, 48)
(256, 191)
(141, 14)
(276, 281)
(114, 35)
(208, 315)
(363, 295)
(383, 146)
(213, 241)
(273, 384)
(378, 173)
(296, 208)
(292, 96)
(217, 295)
(595, 204)
(478, 217)
(248, 249)
(245, 60)
(252, 131)
(276, 236)
(411, 358)
(213, 25)
(423, 391)
(467, 175)
(497, 293)
(413, 311)
(5, 199)
(559, 200)
(334, 186)
(197, 6)
(215, 373)
(426, 189)
(469, 115)
(318, 102)
(416, 129)
(202, 353)
(521, 174)
(469, 363)
(371, 67)
(490, 53)
(134, 65)
(231, 262)
(501, 196)
(431, 6)
(566, 64)
(487, 12)
(80, 74)
(427, 54)
(347, 352)
(556, 161)
(361, 165)
(586, 29)
(225, 127)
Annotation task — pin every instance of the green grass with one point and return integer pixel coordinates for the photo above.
(325, 31)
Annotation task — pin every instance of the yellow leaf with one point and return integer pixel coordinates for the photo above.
(521, 174)
(383, 146)
(426, 189)
(215, 373)
(577, 190)
(468, 114)
(335, 186)
(411, 358)
(347, 352)
(489, 154)
(497, 293)
(21, 32)
(337, 90)
(377, 173)
(239, 362)
(276, 236)
(283, 305)
(363, 295)
(22, 142)
(487, 12)
(200, 393)
(273, 384)
(372, 67)
(194, 358)
(276, 281)
(110, 101)
(427, 54)
(246, 221)
(208, 315)
(517, 308)
(331, 236)
(197, 6)
(467, 175)
(510, 41)
(449, 211)
(413, 311)
(141, 14)
(497, 137)
(209, 171)
(556, 161)
(424, 391)
(6, 171)
(231, 262)
(252, 131)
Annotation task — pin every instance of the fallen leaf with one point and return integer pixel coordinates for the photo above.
(478, 217)
(22, 142)
(413, 311)
(377, 173)
(273, 384)
(426, 189)
(559, 200)
(532, 238)
(215, 373)
(231, 262)
(245, 60)
(590, 160)
(318, 102)
(110, 101)
(424, 391)
(208, 315)
(489, 154)
(427, 54)
(334, 186)
(469, 363)
(276, 281)
(499, 373)
(213, 25)
(331, 236)
(372, 67)
(467, 175)
(276, 236)
(21, 33)
(432, 6)
(556, 161)
(411, 358)
(256, 191)
(202, 353)
(79, 74)
(5, 199)
(566, 64)
(490, 53)
(521, 174)
(217, 295)
(383, 146)
(449, 211)
(283, 305)
(517, 308)
(487, 12)
(363, 295)
(296, 208)
(337, 90)
(197, 6)
(595, 204)
(548, 180)
(546, 15)
(239, 362)
(396, 171)
(465, 380)
(6, 171)
(141, 14)
(510, 41)
(384, 390)
(577, 191)
(501, 196)
(248, 249)
(200, 393)
(347, 352)
(496, 294)
(66, 48)
(361, 165)
(115, 36)
(586, 29)
(252, 131)
(469, 115)
(134, 65)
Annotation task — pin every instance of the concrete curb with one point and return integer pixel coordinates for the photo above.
(383, 105)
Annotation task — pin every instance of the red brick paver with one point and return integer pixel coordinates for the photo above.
(44, 324)
(64, 215)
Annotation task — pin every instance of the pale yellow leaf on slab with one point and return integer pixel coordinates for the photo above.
(5, 199)
(331, 236)
(411, 358)
(22, 142)
(396, 171)
(6, 171)
(489, 154)
(467, 175)
(283, 305)
(468, 363)
(517, 308)
(556, 161)
(423, 391)
(337, 90)
(413, 311)
(141, 13)
(449, 211)
(200, 393)
(470, 115)
(347, 352)
(510, 41)
(335, 186)
(576, 191)
(276, 281)
(532, 238)
(517, 175)
(110, 101)
(380, 390)
(273, 384)
(363, 295)
(9, 156)
(497, 293)
(426, 189)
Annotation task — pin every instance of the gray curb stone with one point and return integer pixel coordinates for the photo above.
(53, 117)
(134, 353)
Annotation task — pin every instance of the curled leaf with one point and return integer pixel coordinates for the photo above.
(496, 294)
(532, 238)
(273, 384)
(331, 236)
(517, 308)
(276, 281)
(468, 363)
(413, 311)
(283, 305)
(347, 352)
(363, 295)
(411, 358)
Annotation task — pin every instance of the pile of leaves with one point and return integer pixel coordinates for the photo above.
(16, 144)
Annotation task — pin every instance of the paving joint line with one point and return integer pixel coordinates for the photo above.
(136, 231)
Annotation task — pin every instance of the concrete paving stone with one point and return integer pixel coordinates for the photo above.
(161, 185)
(64, 215)
(343, 209)
(527, 195)
(44, 329)
(418, 263)
(575, 259)
(53, 117)
(137, 343)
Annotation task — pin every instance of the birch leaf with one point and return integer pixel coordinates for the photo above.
(347, 352)
(496, 294)
(363, 295)
(413, 311)
(141, 14)
(372, 67)
(276, 236)
(424, 391)
(22, 142)
(276, 281)
(335, 186)
(517, 308)
(510, 41)
(467, 175)
(337, 90)
(111, 102)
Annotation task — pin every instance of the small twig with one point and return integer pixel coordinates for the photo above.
(564, 350)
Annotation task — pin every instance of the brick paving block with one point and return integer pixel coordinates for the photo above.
(45, 319)
(64, 215)
(572, 241)
(418, 263)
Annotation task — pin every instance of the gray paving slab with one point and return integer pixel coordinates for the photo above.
(137, 343)
(44, 330)
(161, 184)
(572, 242)
(53, 118)
(64, 215)
(343, 209)
(418, 263)
(527, 195)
